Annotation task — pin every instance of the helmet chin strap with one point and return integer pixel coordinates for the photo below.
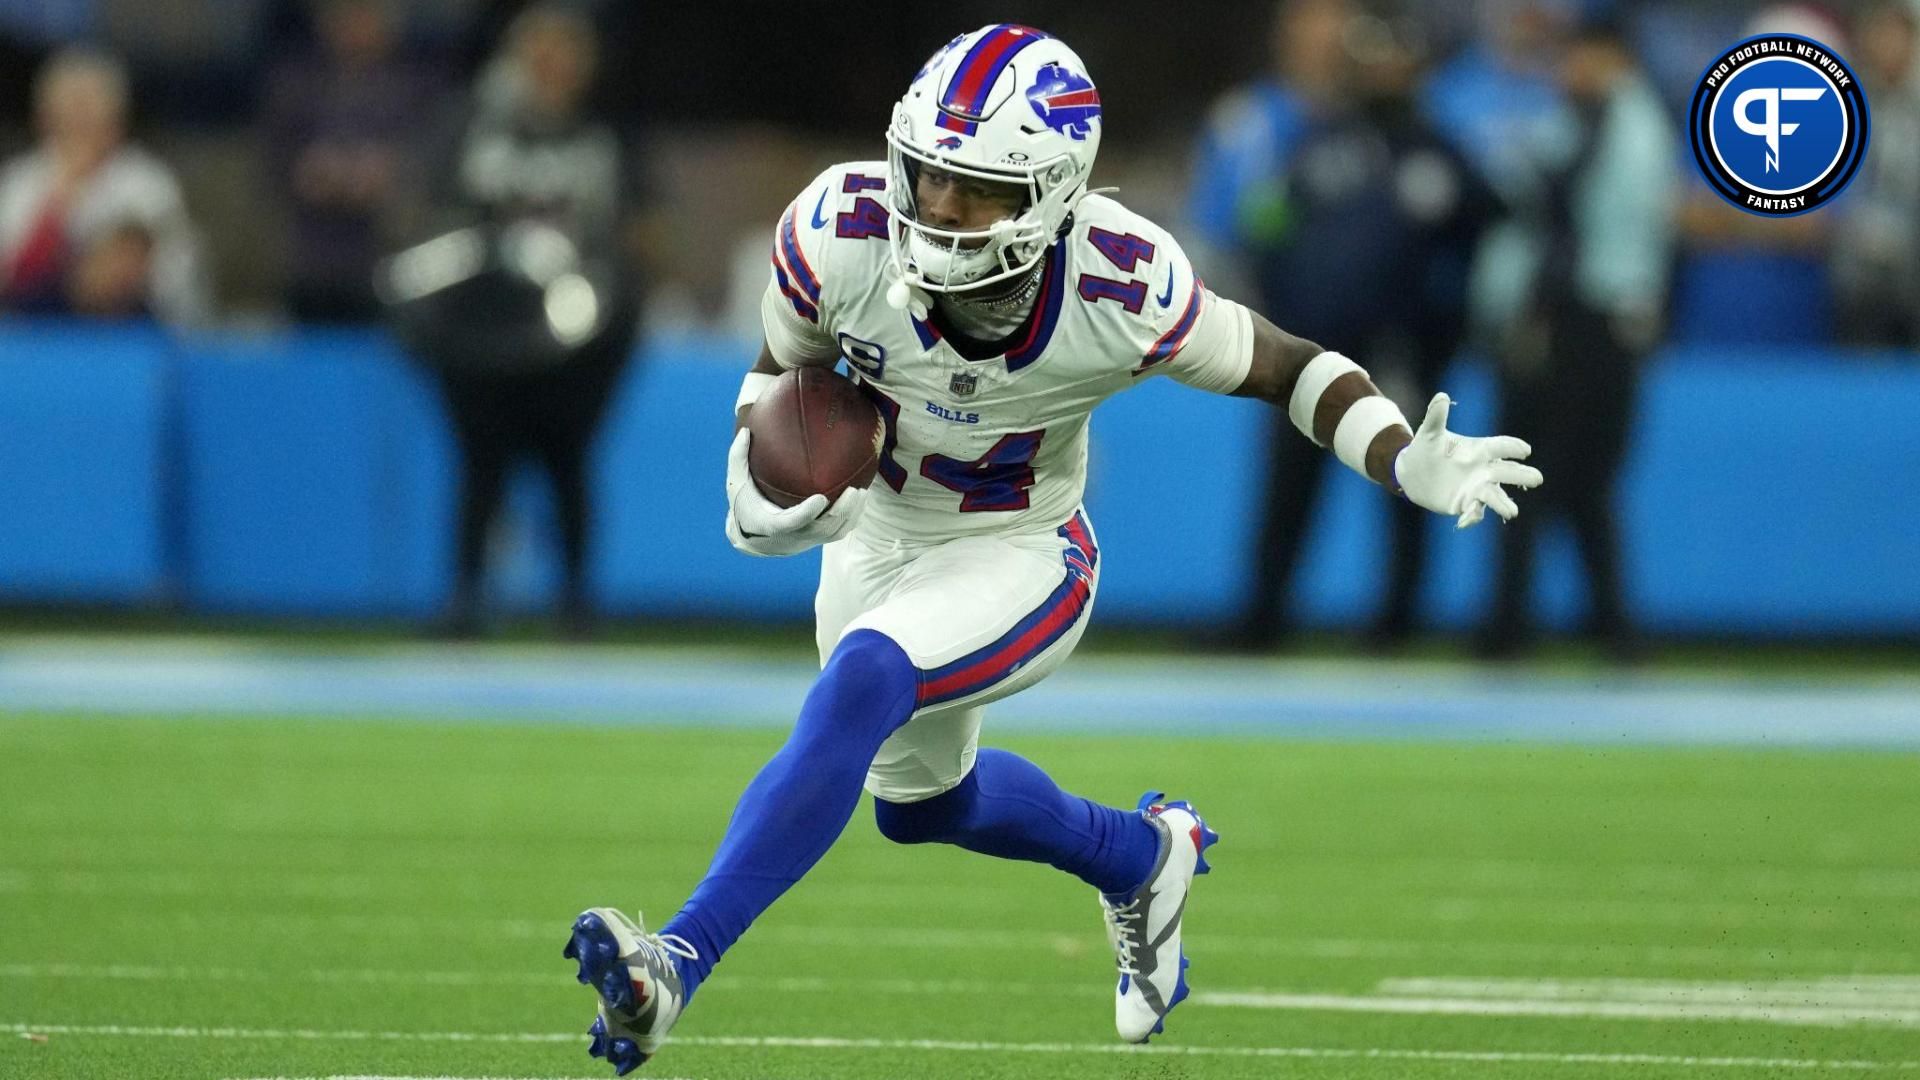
(1018, 293)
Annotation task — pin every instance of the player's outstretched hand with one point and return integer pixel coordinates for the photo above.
(757, 526)
(1460, 475)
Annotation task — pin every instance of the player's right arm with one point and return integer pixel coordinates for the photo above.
(793, 314)
(1214, 344)
(1332, 401)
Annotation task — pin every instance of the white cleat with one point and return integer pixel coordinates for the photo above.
(641, 993)
(1144, 926)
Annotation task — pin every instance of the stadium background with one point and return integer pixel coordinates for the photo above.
(226, 748)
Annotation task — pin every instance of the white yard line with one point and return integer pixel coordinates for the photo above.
(1834, 991)
(965, 1047)
(1838, 1001)
(1581, 1010)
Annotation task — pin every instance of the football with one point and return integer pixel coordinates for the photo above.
(813, 433)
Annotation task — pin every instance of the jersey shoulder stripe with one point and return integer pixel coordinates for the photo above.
(826, 227)
(1170, 343)
(798, 282)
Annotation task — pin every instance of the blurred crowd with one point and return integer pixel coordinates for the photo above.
(330, 133)
(196, 160)
(1526, 193)
(496, 179)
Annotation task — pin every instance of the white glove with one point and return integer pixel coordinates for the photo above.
(757, 526)
(1461, 475)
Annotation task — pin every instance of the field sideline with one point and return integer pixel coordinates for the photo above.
(266, 896)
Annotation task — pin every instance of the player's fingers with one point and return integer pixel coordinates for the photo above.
(1514, 473)
(844, 513)
(846, 507)
(737, 453)
(796, 516)
(1435, 421)
(1506, 446)
(1469, 517)
(1498, 501)
(805, 510)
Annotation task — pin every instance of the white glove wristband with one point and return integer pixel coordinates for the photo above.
(752, 387)
(1366, 419)
(1314, 379)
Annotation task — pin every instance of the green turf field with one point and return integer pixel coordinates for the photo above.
(275, 898)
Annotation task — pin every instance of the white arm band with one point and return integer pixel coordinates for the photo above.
(752, 387)
(1365, 419)
(1314, 379)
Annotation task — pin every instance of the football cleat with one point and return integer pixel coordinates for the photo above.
(641, 993)
(1144, 926)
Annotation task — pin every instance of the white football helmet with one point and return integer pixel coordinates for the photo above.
(1005, 103)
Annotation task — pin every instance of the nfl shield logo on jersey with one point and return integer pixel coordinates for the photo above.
(962, 384)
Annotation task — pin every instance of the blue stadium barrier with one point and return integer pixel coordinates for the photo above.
(84, 458)
(311, 473)
(318, 477)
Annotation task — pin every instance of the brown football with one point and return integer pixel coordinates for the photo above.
(813, 433)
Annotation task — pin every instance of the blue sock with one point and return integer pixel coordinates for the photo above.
(802, 799)
(1008, 808)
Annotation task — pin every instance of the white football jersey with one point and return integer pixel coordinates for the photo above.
(995, 443)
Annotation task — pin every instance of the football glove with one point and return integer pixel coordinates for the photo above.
(757, 526)
(1460, 475)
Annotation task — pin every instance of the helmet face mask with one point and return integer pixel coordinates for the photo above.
(1004, 105)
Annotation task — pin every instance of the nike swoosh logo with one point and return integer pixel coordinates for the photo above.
(1166, 298)
(820, 221)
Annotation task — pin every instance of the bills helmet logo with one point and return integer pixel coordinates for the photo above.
(951, 142)
(1065, 101)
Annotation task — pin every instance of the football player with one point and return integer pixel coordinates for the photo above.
(987, 300)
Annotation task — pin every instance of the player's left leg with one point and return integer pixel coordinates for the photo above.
(983, 619)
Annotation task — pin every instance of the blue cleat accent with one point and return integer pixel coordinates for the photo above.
(636, 978)
(625, 1056)
(1208, 838)
(598, 952)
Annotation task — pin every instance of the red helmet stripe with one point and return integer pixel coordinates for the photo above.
(981, 67)
(1073, 98)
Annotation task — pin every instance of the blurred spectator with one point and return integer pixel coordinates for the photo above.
(110, 280)
(1496, 98)
(1876, 229)
(1356, 221)
(527, 309)
(342, 131)
(1569, 363)
(85, 217)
